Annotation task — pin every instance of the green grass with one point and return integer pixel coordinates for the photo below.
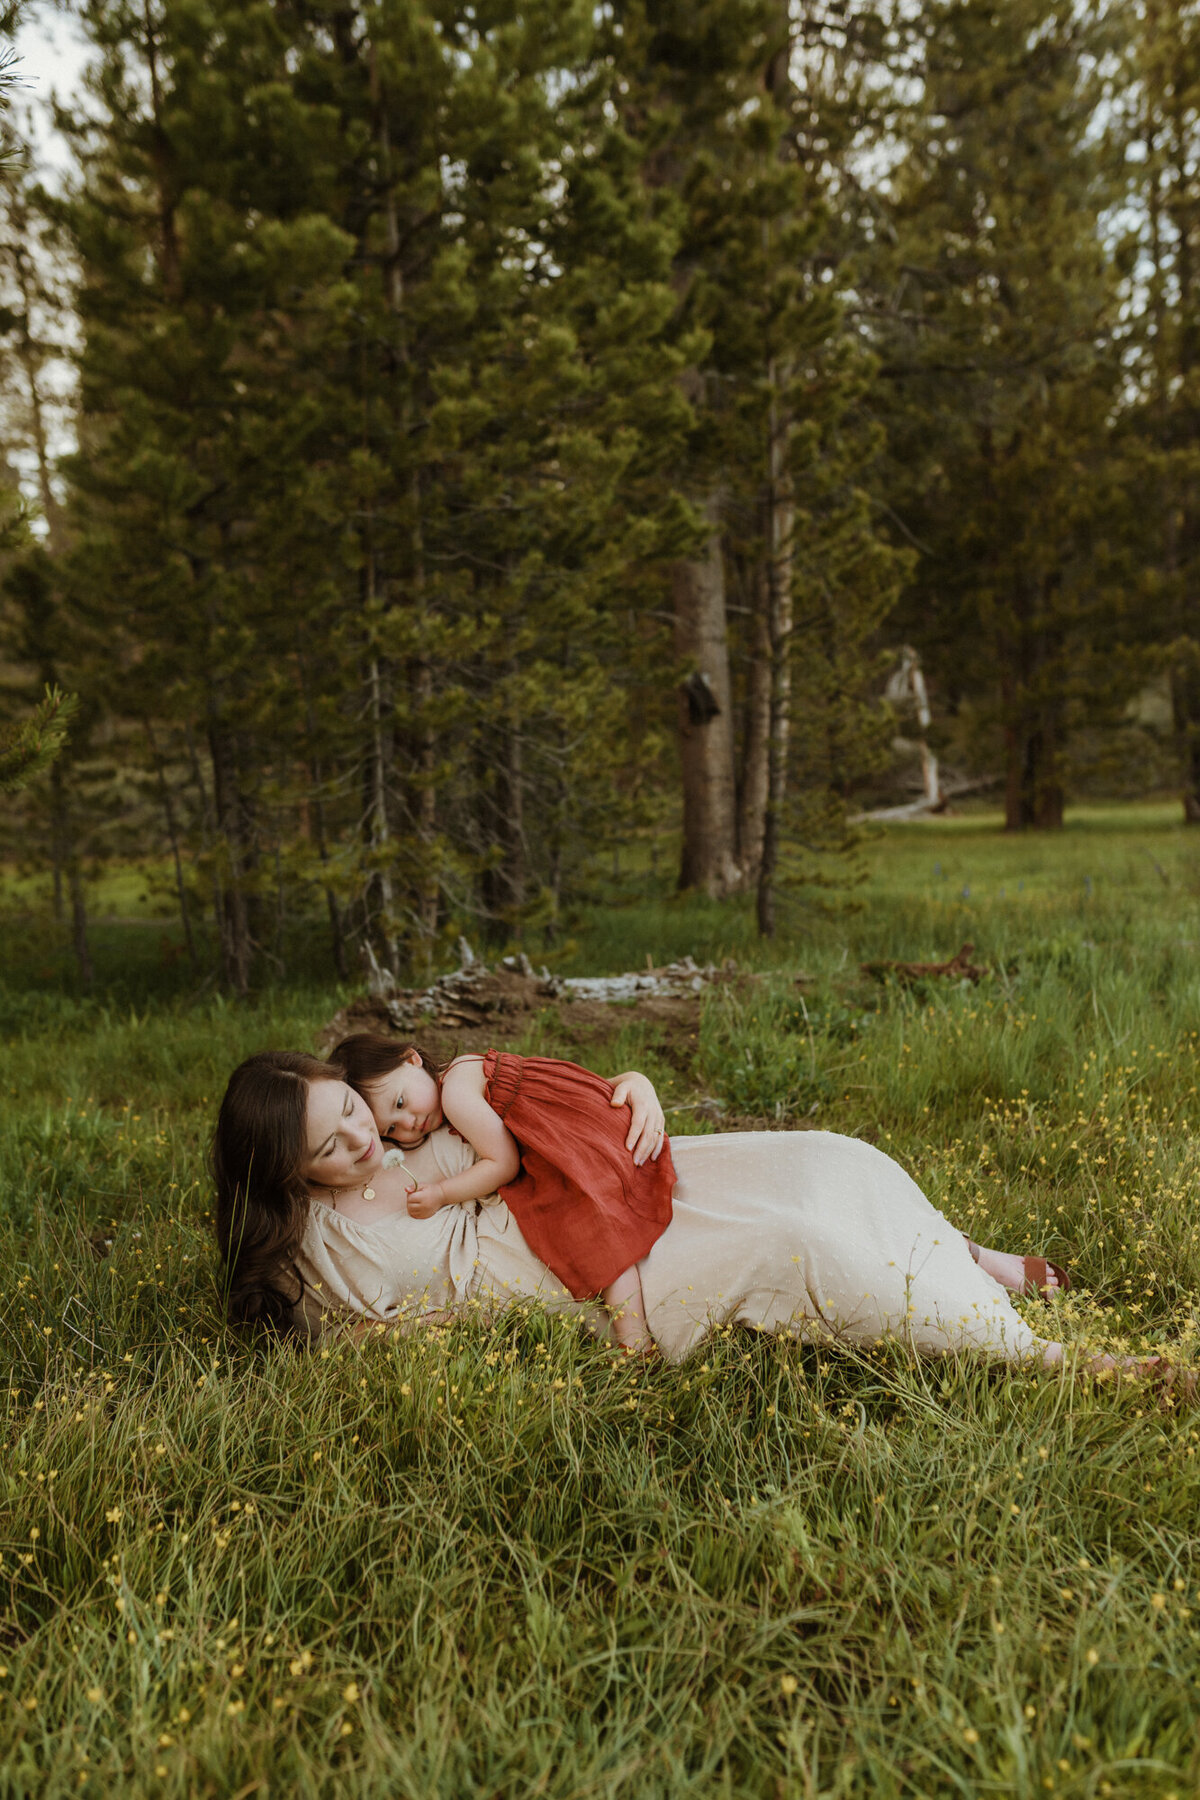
(494, 1562)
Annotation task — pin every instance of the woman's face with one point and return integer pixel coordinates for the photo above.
(407, 1104)
(342, 1144)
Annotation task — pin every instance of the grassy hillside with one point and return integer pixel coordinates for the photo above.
(494, 1562)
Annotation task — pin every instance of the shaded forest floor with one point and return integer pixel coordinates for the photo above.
(494, 1562)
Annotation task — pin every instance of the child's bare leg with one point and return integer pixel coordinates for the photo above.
(624, 1300)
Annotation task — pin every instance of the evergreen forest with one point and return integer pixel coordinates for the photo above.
(451, 448)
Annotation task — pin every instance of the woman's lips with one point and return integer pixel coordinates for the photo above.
(369, 1151)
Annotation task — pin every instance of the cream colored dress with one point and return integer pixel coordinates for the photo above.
(802, 1231)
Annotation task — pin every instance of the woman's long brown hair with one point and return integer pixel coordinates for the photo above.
(258, 1149)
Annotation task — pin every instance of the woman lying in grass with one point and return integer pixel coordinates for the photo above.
(813, 1233)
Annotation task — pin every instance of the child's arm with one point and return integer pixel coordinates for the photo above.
(497, 1156)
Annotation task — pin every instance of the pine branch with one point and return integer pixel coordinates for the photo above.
(27, 750)
(11, 150)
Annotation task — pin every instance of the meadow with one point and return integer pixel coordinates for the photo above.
(496, 1561)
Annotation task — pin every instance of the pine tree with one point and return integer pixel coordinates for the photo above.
(385, 459)
(998, 304)
(208, 278)
(1162, 424)
(780, 442)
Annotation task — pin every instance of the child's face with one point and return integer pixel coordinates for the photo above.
(407, 1104)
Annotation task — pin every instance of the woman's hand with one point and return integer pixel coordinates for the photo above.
(646, 1125)
(425, 1200)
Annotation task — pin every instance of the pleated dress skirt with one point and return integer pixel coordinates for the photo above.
(583, 1206)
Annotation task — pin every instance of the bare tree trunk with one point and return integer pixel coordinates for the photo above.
(504, 883)
(68, 861)
(709, 857)
(514, 878)
(424, 799)
(1033, 790)
(173, 837)
(1185, 714)
(79, 936)
(337, 934)
(381, 893)
(781, 517)
(780, 531)
(30, 357)
(756, 743)
(56, 868)
(233, 922)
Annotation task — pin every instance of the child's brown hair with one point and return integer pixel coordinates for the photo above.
(367, 1056)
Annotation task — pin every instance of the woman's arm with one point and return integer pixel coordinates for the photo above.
(646, 1125)
(497, 1156)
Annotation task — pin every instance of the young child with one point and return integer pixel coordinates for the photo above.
(547, 1138)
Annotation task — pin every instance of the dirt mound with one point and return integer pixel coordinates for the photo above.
(476, 1007)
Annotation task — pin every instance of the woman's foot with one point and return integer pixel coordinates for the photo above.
(1026, 1275)
(1174, 1385)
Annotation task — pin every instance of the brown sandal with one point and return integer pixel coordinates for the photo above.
(1037, 1271)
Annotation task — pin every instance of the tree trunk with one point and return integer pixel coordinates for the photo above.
(173, 838)
(781, 519)
(1033, 791)
(423, 803)
(56, 868)
(780, 529)
(79, 936)
(380, 894)
(68, 865)
(1185, 712)
(320, 832)
(31, 358)
(233, 922)
(504, 883)
(709, 859)
(756, 743)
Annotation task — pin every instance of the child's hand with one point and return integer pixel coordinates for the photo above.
(425, 1200)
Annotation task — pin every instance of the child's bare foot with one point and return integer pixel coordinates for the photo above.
(1027, 1275)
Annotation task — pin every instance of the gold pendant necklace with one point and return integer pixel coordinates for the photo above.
(368, 1193)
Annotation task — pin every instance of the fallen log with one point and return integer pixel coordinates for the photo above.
(959, 968)
(474, 994)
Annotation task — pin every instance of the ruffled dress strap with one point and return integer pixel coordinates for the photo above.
(503, 1072)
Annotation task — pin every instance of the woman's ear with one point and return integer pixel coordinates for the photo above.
(413, 1057)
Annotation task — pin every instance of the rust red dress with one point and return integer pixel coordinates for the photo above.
(584, 1208)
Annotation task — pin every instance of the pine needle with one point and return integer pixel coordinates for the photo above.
(27, 750)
